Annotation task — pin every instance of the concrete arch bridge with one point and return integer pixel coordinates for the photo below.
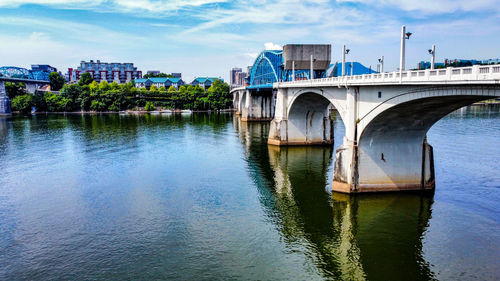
(386, 116)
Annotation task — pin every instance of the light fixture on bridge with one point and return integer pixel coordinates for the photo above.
(344, 52)
(432, 52)
(381, 61)
(404, 36)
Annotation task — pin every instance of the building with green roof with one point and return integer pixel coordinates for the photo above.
(205, 82)
(159, 82)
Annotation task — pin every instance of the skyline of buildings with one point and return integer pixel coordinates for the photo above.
(103, 71)
(237, 77)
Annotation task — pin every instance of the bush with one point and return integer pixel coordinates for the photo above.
(57, 103)
(23, 103)
(149, 106)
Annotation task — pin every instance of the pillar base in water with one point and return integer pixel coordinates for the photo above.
(343, 187)
(5, 106)
(255, 119)
(349, 178)
(298, 143)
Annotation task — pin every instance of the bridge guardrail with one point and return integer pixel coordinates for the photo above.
(470, 73)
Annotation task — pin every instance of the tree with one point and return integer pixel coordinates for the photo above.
(172, 89)
(115, 86)
(93, 87)
(71, 92)
(104, 86)
(15, 89)
(85, 79)
(151, 75)
(56, 81)
(23, 103)
(218, 95)
(153, 88)
(163, 89)
(149, 106)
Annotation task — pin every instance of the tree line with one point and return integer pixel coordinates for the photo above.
(88, 95)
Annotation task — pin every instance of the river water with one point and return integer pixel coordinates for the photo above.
(202, 197)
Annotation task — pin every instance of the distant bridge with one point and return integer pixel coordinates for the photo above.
(31, 86)
(386, 117)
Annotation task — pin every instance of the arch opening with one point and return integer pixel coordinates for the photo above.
(309, 120)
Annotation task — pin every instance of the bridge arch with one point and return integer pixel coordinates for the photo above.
(392, 148)
(309, 119)
(15, 72)
(266, 68)
(332, 97)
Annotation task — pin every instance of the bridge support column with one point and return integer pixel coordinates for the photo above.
(237, 102)
(403, 165)
(306, 122)
(257, 106)
(4, 100)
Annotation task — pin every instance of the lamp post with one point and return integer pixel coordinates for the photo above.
(432, 52)
(311, 76)
(381, 61)
(404, 36)
(344, 52)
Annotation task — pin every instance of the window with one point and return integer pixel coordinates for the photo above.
(379, 94)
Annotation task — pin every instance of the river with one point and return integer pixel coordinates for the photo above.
(203, 197)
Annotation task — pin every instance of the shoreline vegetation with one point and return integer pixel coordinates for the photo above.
(88, 96)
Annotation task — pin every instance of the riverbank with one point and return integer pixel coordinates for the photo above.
(162, 111)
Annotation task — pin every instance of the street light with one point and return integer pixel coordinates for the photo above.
(432, 52)
(404, 36)
(381, 61)
(344, 52)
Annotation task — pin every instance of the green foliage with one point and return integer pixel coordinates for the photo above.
(85, 79)
(114, 97)
(23, 103)
(56, 81)
(149, 106)
(115, 86)
(71, 92)
(163, 89)
(151, 75)
(219, 96)
(153, 88)
(57, 103)
(104, 86)
(15, 89)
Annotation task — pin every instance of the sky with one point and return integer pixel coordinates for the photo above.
(209, 37)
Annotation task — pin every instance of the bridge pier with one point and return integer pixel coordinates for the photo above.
(256, 105)
(4, 100)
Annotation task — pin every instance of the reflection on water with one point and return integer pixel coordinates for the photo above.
(202, 196)
(377, 237)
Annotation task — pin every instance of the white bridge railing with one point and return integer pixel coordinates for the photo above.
(481, 73)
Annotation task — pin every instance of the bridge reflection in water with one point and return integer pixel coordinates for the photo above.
(375, 237)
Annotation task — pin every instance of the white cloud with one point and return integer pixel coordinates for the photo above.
(272, 46)
(434, 6)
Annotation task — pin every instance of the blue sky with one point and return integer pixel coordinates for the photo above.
(208, 37)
